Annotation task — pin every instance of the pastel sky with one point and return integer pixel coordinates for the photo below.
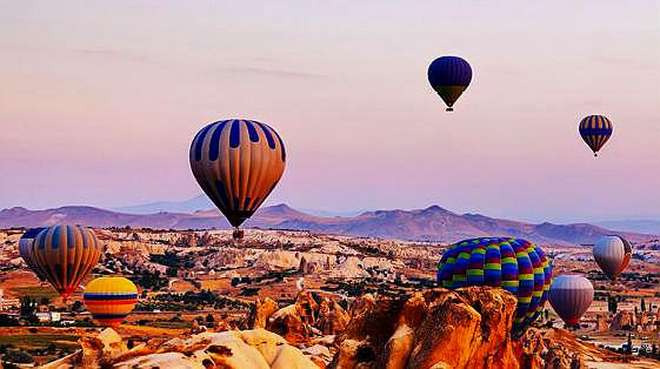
(99, 101)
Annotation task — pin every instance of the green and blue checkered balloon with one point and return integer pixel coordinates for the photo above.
(513, 264)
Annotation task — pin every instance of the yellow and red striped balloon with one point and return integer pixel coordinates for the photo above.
(65, 255)
(110, 299)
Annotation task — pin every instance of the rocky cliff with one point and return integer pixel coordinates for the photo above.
(431, 329)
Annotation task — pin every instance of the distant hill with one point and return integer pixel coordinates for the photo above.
(648, 226)
(197, 203)
(201, 203)
(431, 224)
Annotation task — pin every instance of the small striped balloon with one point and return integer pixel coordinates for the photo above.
(570, 296)
(513, 264)
(595, 131)
(612, 254)
(26, 251)
(65, 255)
(110, 299)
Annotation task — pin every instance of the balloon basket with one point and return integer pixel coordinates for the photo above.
(238, 234)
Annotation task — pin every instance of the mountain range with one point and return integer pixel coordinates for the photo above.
(430, 224)
(648, 226)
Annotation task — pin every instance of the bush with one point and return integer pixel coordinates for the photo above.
(17, 356)
(7, 321)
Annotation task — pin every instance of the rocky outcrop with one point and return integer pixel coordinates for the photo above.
(332, 318)
(102, 348)
(624, 320)
(468, 328)
(260, 312)
(253, 349)
(601, 323)
(309, 316)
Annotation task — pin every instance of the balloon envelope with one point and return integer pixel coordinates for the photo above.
(570, 296)
(25, 250)
(612, 254)
(449, 76)
(237, 163)
(595, 131)
(110, 299)
(513, 264)
(65, 255)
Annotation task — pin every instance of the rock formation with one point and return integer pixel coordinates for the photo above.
(308, 317)
(466, 328)
(435, 329)
(624, 319)
(253, 349)
(601, 323)
(260, 313)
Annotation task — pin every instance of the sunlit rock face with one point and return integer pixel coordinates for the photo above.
(252, 349)
(308, 317)
(467, 328)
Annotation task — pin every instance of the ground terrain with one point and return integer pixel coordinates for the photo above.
(203, 280)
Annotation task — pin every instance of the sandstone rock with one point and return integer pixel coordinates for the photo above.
(260, 313)
(623, 320)
(307, 318)
(601, 323)
(468, 328)
(102, 348)
(173, 360)
(70, 361)
(253, 349)
(332, 318)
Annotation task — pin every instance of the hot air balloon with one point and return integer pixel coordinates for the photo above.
(110, 299)
(237, 163)
(65, 255)
(449, 76)
(595, 131)
(513, 264)
(612, 254)
(25, 250)
(570, 296)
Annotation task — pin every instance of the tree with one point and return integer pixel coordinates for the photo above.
(172, 272)
(210, 318)
(612, 304)
(7, 321)
(28, 309)
(78, 307)
(18, 357)
(642, 304)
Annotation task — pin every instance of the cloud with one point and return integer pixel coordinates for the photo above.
(115, 54)
(274, 72)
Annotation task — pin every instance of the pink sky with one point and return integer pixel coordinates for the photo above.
(100, 100)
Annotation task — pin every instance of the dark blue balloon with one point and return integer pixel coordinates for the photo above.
(450, 71)
(449, 76)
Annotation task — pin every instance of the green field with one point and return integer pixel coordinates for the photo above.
(174, 325)
(32, 341)
(36, 291)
